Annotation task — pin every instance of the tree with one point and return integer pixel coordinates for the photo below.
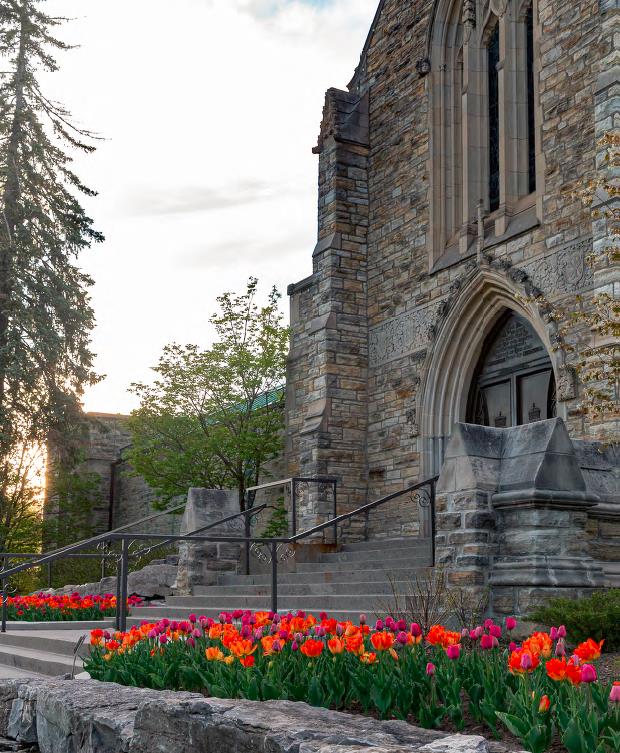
(45, 312)
(214, 417)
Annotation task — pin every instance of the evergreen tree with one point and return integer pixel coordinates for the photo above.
(45, 312)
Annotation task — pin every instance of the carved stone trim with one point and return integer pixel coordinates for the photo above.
(402, 335)
(563, 271)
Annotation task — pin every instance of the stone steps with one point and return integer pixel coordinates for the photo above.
(373, 575)
(361, 578)
(41, 652)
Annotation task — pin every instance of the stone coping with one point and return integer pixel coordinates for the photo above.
(59, 625)
(86, 716)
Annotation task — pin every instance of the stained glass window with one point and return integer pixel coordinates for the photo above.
(531, 128)
(493, 61)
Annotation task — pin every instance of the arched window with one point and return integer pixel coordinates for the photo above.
(484, 151)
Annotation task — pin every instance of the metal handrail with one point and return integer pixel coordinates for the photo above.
(274, 543)
(247, 513)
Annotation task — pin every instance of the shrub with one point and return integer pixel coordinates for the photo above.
(597, 616)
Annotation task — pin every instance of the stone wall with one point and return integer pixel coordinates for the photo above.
(408, 356)
(513, 511)
(83, 716)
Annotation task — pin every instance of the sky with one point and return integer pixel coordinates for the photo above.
(208, 111)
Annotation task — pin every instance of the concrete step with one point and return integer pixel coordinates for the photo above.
(341, 614)
(346, 567)
(37, 661)
(379, 556)
(356, 586)
(373, 575)
(53, 644)
(410, 542)
(310, 603)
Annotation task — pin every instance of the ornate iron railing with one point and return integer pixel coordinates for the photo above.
(273, 545)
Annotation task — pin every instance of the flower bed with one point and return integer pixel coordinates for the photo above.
(73, 607)
(535, 690)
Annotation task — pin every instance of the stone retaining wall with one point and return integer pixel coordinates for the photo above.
(82, 716)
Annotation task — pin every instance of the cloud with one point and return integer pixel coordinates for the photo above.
(147, 202)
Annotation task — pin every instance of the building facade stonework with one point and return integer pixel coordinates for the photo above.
(448, 211)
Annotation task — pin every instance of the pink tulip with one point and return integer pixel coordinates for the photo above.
(430, 670)
(511, 623)
(323, 616)
(526, 661)
(191, 643)
(560, 648)
(479, 631)
(464, 633)
(379, 626)
(486, 642)
(487, 624)
(512, 646)
(363, 619)
(588, 673)
(402, 638)
(416, 630)
(495, 631)
(561, 632)
(553, 634)
(294, 646)
(454, 651)
(472, 635)
(614, 696)
(163, 639)
(192, 618)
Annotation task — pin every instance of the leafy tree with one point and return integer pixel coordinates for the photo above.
(214, 417)
(45, 312)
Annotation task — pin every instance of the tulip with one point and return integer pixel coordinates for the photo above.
(614, 696)
(339, 630)
(363, 619)
(163, 639)
(494, 642)
(430, 669)
(560, 648)
(464, 633)
(453, 651)
(588, 673)
(402, 638)
(196, 633)
(526, 661)
(192, 618)
(472, 635)
(379, 626)
(561, 632)
(553, 634)
(191, 643)
(511, 623)
(488, 623)
(544, 704)
(478, 631)
(277, 646)
(495, 631)
(401, 625)
(486, 642)
(283, 634)
(294, 646)
(416, 630)
(512, 646)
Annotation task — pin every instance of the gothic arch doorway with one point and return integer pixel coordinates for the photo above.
(513, 383)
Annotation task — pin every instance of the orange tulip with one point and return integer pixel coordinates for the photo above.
(368, 658)
(355, 644)
(382, 641)
(522, 662)
(335, 645)
(242, 647)
(312, 648)
(544, 704)
(214, 654)
(539, 644)
(247, 661)
(589, 651)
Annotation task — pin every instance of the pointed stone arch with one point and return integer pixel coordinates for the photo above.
(452, 359)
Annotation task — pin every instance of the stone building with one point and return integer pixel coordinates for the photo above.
(447, 180)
